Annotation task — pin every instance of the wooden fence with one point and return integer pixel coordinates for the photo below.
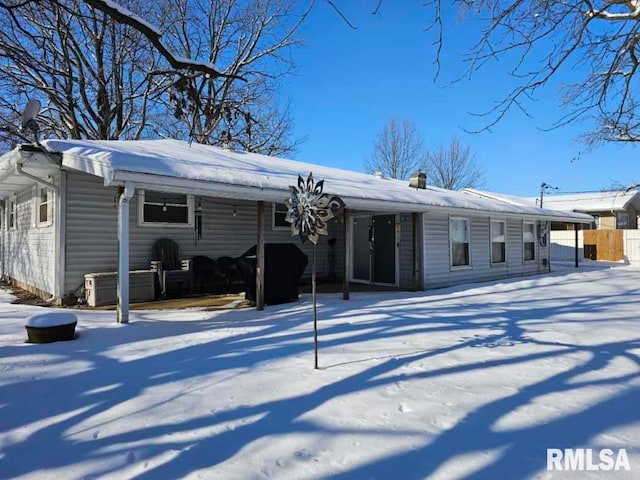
(563, 245)
(604, 245)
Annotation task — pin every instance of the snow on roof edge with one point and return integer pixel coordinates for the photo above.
(168, 160)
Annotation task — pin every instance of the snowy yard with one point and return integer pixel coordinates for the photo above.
(474, 382)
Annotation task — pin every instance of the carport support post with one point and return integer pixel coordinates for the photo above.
(414, 235)
(260, 259)
(345, 257)
(575, 229)
(123, 252)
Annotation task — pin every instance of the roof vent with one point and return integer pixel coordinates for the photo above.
(379, 174)
(418, 180)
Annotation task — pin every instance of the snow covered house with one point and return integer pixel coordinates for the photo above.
(610, 209)
(74, 207)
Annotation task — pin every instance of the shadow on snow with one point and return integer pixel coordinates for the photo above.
(102, 382)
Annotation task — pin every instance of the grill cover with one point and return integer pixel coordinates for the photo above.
(284, 264)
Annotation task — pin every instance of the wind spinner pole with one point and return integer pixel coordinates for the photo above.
(315, 312)
(308, 210)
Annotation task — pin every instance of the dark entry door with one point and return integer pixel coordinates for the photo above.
(384, 249)
(362, 233)
(374, 249)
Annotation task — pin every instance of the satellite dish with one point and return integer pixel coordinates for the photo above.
(31, 111)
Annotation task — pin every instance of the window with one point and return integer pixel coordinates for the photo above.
(167, 209)
(43, 204)
(12, 213)
(498, 241)
(459, 241)
(529, 241)
(279, 214)
(622, 220)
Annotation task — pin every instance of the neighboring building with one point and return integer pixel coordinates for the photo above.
(614, 209)
(63, 201)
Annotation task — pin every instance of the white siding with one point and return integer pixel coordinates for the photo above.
(563, 246)
(436, 257)
(632, 246)
(92, 244)
(29, 250)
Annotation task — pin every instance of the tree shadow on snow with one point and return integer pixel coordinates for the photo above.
(95, 386)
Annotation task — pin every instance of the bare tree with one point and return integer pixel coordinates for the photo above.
(90, 71)
(596, 42)
(117, 12)
(249, 41)
(107, 73)
(454, 167)
(398, 150)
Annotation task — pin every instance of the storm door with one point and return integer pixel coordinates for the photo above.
(374, 249)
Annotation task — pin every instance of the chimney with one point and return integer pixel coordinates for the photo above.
(226, 140)
(418, 180)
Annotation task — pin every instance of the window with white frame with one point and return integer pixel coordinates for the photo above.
(498, 241)
(279, 214)
(459, 241)
(43, 203)
(529, 241)
(11, 222)
(162, 208)
(622, 220)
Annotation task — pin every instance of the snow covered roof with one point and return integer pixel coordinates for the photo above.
(605, 201)
(178, 166)
(501, 197)
(615, 200)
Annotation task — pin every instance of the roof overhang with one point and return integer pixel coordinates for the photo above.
(213, 174)
(239, 192)
(31, 161)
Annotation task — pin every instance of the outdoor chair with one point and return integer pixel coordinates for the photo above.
(231, 272)
(207, 275)
(174, 275)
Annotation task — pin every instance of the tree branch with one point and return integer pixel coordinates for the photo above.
(152, 34)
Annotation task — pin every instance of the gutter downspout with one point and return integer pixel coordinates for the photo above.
(123, 252)
(57, 287)
(3, 242)
(39, 180)
(60, 220)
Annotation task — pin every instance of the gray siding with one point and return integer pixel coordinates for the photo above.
(437, 269)
(91, 229)
(92, 244)
(406, 251)
(336, 231)
(29, 250)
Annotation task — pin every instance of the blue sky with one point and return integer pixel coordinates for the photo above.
(350, 82)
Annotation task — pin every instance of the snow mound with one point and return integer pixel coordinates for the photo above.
(53, 319)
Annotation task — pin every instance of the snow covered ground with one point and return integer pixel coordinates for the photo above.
(470, 382)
